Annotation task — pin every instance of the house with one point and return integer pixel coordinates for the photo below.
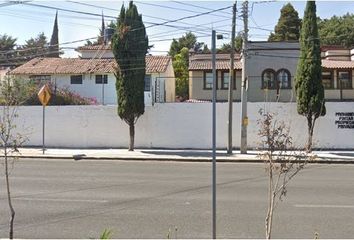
(270, 70)
(92, 74)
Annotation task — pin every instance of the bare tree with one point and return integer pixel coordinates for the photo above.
(282, 161)
(9, 139)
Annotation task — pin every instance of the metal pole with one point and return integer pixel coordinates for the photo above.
(244, 118)
(213, 40)
(103, 89)
(231, 79)
(43, 145)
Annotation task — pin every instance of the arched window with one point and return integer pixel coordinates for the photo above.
(268, 79)
(284, 78)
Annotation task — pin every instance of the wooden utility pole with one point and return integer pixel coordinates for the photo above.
(244, 118)
(231, 79)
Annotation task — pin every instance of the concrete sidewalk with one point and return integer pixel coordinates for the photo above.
(339, 157)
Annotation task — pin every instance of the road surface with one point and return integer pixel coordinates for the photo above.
(79, 199)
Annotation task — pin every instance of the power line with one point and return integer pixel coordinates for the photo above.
(144, 15)
(196, 6)
(183, 18)
(173, 8)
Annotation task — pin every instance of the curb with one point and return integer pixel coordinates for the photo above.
(187, 159)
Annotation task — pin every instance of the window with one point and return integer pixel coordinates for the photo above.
(327, 79)
(76, 79)
(225, 80)
(284, 78)
(344, 80)
(99, 79)
(268, 79)
(208, 80)
(147, 83)
(40, 79)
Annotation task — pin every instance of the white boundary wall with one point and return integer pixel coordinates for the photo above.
(172, 125)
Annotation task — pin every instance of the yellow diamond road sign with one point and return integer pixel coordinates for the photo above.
(44, 95)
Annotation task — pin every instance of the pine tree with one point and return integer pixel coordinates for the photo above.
(54, 41)
(309, 89)
(288, 26)
(130, 45)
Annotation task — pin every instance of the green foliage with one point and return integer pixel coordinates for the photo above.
(309, 89)
(179, 51)
(25, 93)
(107, 234)
(226, 47)
(337, 30)
(35, 47)
(7, 43)
(54, 41)
(130, 45)
(189, 41)
(288, 26)
(180, 64)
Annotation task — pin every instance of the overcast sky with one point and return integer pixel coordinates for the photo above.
(26, 21)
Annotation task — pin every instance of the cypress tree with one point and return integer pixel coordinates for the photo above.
(130, 45)
(100, 39)
(309, 89)
(54, 41)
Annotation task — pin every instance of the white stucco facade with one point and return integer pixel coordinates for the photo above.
(176, 125)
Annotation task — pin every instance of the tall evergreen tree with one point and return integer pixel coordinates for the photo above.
(34, 47)
(309, 89)
(188, 41)
(288, 26)
(54, 41)
(337, 30)
(7, 43)
(100, 38)
(130, 45)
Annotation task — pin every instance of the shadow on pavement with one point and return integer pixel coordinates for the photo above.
(185, 153)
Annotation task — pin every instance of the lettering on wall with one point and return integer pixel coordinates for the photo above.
(345, 120)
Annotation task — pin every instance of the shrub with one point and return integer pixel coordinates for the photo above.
(27, 94)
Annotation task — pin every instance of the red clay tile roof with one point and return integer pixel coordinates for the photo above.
(38, 66)
(157, 64)
(203, 62)
(333, 64)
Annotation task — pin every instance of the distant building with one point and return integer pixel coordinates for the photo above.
(92, 74)
(271, 68)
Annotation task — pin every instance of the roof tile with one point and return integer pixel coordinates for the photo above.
(38, 66)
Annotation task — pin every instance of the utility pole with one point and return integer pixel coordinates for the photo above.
(213, 50)
(231, 79)
(244, 118)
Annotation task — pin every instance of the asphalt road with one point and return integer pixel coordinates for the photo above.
(79, 199)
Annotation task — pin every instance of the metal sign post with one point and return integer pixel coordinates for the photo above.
(213, 40)
(44, 97)
(43, 130)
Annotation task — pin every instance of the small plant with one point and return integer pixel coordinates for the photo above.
(10, 141)
(283, 163)
(106, 234)
(169, 233)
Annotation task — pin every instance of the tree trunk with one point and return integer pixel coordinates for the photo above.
(310, 127)
(269, 217)
(131, 134)
(12, 211)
